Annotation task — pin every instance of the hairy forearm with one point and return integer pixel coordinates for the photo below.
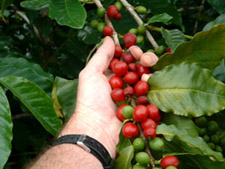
(66, 156)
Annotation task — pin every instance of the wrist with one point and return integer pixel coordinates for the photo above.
(80, 124)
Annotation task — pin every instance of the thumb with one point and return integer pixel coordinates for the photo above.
(101, 59)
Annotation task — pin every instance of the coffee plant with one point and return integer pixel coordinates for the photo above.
(170, 91)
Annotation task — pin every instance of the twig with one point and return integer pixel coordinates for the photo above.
(199, 13)
(108, 22)
(147, 149)
(157, 29)
(90, 54)
(188, 8)
(20, 116)
(131, 10)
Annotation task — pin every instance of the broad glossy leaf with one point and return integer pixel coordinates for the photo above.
(56, 105)
(164, 17)
(199, 162)
(13, 66)
(219, 72)
(218, 5)
(186, 89)
(181, 123)
(35, 4)
(192, 144)
(126, 152)
(173, 38)
(6, 129)
(4, 5)
(206, 49)
(35, 99)
(66, 92)
(159, 6)
(68, 12)
(89, 35)
(220, 19)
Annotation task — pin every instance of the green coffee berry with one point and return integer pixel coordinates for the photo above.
(215, 139)
(94, 24)
(141, 9)
(202, 131)
(140, 39)
(219, 149)
(213, 126)
(100, 26)
(128, 111)
(101, 12)
(139, 144)
(156, 144)
(142, 158)
(119, 5)
(151, 50)
(202, 121)
(171, 167)
(206, 138)
(141, 29)
(211, 145)
(133, 30)
(160, 50)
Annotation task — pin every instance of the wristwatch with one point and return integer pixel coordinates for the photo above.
(90, 145)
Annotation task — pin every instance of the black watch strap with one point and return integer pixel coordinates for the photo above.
(90, 145)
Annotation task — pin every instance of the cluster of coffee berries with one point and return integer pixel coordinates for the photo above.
(112, 12)
(212, 134)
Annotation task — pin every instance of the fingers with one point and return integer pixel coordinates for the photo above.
(148, 59)
(136, 52)
(101, 59)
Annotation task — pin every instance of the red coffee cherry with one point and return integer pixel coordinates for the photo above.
(120, 68)
(108, 31)
(132, 67)
(112, 11)
(141, 88)
(140, 113)
(142, 70)
(112, 63)
(128, 91)
(118, 16)
(130, 130)
(118, 95)
(128, 58)
(142, 100)
(118, 51)
(116, 82)
(169, 161)
(149, 132)
(119, 112)
(153, 112)
(168, 50)
(131, 77)
(148, 123)
(129, 39)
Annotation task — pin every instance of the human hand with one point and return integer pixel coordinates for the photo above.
(95, 113)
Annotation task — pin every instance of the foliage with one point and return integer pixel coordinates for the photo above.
(44, 44)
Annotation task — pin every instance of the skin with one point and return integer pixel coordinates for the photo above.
(95, 116)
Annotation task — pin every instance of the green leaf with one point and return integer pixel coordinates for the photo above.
(218, 5)
(13, 66)
(5, 4)
(190, 90)
(173, 37)
(164, 17)
(219, 72)
(68, 12)
(125, 151)
(192, 144)
(6, 129)
(220, 19)
(205, 49)
(199, 162)
(36, 100)
(66, 92)
(159, 6)
(35, 4)
(89, 36)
